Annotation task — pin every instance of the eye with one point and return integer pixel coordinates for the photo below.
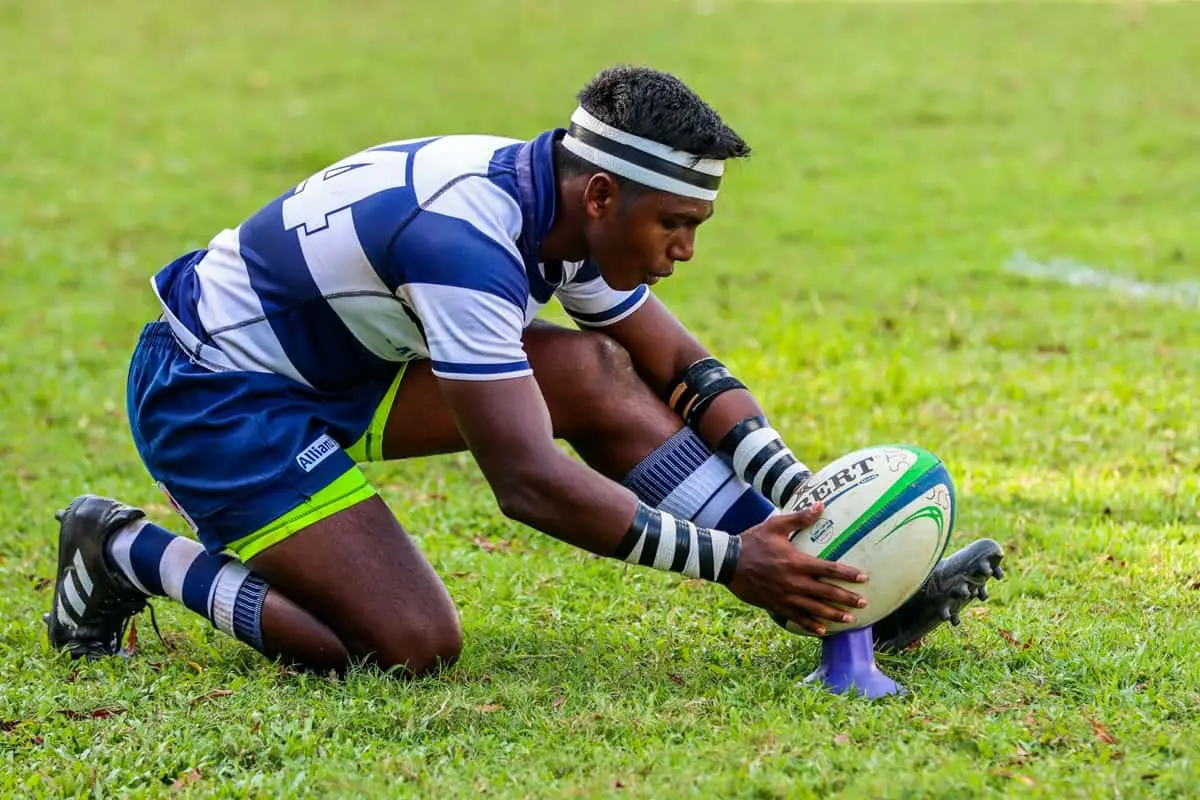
(670, 223)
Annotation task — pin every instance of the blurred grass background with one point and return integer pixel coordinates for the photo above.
(853, 276)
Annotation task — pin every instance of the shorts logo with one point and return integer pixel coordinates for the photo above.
(317, 452)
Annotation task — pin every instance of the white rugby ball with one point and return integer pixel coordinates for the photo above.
(889, 511)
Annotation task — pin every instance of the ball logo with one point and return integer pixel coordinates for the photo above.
(899, 460)
(316, 452)
(839, 482)
(822, 531)
(940, 496)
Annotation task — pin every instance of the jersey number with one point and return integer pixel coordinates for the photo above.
(345, 183)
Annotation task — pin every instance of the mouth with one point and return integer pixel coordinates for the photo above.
(655, 277)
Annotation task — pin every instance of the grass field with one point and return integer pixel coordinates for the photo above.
(854, 276)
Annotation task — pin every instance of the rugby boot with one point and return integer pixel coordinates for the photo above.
(954, 582)
(93, 601)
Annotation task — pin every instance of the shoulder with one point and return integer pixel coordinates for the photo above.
(470, 178)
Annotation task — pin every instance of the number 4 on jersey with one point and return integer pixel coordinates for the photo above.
(340, 186)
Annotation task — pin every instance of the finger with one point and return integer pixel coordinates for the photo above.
(837, 571)
(812, 607)
(835, 594)
(813, 626)
(794, 521)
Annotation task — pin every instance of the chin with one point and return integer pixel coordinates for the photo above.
(625, 284)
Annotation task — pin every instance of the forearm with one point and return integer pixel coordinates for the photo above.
(569, 501)
(728, 418)
(662, 350)
(583, 508)
(718, 407)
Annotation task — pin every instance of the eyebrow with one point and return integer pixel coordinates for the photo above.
(691, 217)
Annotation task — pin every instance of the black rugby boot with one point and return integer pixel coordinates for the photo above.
(954, 582)
(93, 602)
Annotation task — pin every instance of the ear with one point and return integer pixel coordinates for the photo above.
(601, 196)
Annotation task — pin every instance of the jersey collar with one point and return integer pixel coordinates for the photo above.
(538, 189)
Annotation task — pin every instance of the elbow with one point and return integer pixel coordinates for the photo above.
(518, 496)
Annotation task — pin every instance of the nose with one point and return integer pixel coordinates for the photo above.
(682, 246)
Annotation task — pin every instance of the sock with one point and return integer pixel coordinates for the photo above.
(685, 479)
(215, 586)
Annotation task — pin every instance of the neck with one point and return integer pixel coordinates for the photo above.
(566, 240)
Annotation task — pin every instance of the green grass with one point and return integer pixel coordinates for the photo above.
(853, 277)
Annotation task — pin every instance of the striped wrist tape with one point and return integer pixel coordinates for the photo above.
(665, 542)
(761, 458)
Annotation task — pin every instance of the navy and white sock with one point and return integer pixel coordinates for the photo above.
(218, 587)
(685, 479)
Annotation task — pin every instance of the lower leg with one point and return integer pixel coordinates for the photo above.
(221, 589)
(362, 575)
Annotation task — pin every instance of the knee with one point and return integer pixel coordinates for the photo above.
(416, 650)
(605, 368)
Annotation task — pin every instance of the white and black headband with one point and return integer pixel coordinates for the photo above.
(645, 161)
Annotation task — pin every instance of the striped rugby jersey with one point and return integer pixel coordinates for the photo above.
(416, 249)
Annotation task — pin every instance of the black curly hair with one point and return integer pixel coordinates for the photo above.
(654, 105)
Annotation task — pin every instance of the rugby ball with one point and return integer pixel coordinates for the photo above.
(889, 511)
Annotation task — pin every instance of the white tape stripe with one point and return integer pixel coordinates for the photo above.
(85, 580)
(635, 554)
(720, 543)
(708, 166)
(749, 447)
(691, 567)
(633, 172)
(177, 559)
(782, 482)
(224, 594)
(77, 603)
(761, 475)
(666, 543)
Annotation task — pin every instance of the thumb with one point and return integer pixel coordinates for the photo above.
(794, 521)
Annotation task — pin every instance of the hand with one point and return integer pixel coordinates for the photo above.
(774, 575)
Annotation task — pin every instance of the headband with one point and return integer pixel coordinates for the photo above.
(645, 161)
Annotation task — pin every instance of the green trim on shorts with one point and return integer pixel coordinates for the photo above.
(347, 490)
(369, 446)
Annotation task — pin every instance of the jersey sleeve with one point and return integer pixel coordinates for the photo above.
(467, 292)
(593, 303)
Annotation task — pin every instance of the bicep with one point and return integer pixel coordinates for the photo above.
(503, 422)
(659, 345)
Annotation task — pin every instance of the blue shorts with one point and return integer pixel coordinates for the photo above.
(248, 458)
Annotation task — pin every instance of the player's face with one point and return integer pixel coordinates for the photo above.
(647, 235)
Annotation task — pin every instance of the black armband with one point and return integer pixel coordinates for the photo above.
(659, 540)
(759, 456)
(698, 386)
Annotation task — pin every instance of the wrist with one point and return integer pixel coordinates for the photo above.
(659, 540)
(758, 455)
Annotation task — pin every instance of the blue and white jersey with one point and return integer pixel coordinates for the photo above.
(415, 249)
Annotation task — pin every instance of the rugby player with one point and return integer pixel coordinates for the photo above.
(385, 308)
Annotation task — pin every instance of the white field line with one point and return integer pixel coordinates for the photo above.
(710, 6)
(1072, 273)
